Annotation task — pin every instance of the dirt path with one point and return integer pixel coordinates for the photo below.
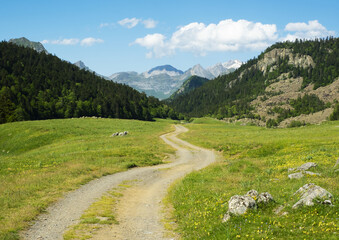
(139, 210)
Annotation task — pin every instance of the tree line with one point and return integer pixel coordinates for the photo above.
(41, 86)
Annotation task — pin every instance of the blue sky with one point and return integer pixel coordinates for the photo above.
(131, 35)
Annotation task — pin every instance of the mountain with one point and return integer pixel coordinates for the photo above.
(165, 69)
(24, 42)
(197, 70)
(82, 65)
(289, 82)
(224, 68)
(189, 85)
(37, 86)
(162, 81)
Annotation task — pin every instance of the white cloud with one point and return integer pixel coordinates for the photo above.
(198, 38)
(154, 42)
(65, 41)
(311, 30)
(74, 41)
(149, 23)
(129, 22)
(90, 41)
(133, 22)
(304, 27)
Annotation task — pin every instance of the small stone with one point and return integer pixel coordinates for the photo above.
(253, 194)
(265, 197)
(278, 209)
(306, 166)
(327, 202)
(226, 217)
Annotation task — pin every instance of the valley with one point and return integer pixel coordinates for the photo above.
(77, 149)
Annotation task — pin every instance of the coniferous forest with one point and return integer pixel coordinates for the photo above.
(230, 95)
(42, 86)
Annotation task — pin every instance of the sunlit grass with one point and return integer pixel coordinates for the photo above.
(40, 160)
(258, 158)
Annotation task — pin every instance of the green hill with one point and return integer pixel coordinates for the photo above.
(285, 81)
(189, 85)
(41, 86)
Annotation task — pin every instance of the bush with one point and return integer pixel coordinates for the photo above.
(296, 124)
(271, 123)
(335, 115)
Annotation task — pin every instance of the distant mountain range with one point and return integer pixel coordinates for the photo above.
(163, 81)
(37, 46)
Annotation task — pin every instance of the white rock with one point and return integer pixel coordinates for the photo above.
(311, 192)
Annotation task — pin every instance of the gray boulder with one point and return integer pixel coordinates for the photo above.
(265, 197)
(310, 193)
(238, 205)
(295, 175)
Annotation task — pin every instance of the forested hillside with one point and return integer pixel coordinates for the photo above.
(309, 65)
(41, 86)
(189, 85)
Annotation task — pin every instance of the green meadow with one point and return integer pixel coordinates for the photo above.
(258, 158)
(41, 160)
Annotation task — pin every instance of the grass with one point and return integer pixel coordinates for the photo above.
(40, 160)
(258, 158)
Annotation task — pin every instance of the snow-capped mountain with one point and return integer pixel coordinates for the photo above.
(164, 80)
(224, 68)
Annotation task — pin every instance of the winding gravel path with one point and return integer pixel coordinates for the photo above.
(139, 210)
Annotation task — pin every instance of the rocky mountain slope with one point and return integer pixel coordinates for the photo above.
(288, 83)
(24, 42)
(162, 81)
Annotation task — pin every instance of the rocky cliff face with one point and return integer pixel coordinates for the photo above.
(272, 57)
(284, 88)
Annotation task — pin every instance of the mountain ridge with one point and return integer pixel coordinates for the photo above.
(162, 81)
(24, 42)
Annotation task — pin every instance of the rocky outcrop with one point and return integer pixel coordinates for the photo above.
(271, 57)
(301, 171)
(310, 194)
(240, 204)
(304, 167)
